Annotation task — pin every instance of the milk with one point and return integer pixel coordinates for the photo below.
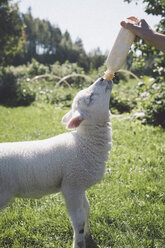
(119, 52)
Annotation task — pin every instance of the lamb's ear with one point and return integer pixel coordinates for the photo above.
(67, 117)
(75, 121)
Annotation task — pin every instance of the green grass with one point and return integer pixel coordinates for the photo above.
(126, 208)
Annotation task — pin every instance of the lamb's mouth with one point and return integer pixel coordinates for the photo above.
(109, 86)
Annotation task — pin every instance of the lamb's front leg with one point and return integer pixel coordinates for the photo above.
(78, 214)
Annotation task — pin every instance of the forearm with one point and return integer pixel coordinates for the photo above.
(158, 40)
(153, 38)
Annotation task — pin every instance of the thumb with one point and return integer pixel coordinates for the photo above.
(130, 26)
(127, 25)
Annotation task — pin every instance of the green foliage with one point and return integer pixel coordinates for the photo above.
(45, 89)
(17, 88)
(35, 68)
(151, 62)
(24, 94)
(32, 69)
(152, 101)
(24, 38)
(154, 107)
(48, 93)
(68, 68)
(46, 43)
(155, 110)
(126, 207)
(123, 93)
(11, 30)
(97, 59)
(120, 104)
(41, 37)
(123, 97)
(13, 92)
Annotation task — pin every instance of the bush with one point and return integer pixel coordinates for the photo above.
(14, 92)
(7, 85)
(123, 97)
(30, 70)
(68, 69)
(17, 89)
(62, 97)
(45, 91)
(120, 103)
(35, 68)
(24, 95)
(153, 102)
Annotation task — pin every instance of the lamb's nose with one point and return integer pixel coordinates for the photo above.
(101, 79)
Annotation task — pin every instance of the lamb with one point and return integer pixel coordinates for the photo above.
(69, 163)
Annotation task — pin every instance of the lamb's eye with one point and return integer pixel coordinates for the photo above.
(90, 98)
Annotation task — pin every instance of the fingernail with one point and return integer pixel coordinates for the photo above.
(122, 23)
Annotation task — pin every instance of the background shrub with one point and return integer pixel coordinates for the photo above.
(68, 69)
(119, 104)
(17, 88)
(152, 101)
(14, 92)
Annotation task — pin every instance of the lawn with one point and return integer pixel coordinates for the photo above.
(126, 208)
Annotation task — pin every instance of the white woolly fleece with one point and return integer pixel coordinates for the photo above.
(70, 162)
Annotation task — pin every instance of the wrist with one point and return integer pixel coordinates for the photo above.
(150, 37)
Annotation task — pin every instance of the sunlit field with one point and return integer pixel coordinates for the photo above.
(126, 208)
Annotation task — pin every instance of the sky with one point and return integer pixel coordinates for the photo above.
(96, 22)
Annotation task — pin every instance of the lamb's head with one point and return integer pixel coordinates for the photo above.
(90, 106)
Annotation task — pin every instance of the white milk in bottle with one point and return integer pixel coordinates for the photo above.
(119, 52)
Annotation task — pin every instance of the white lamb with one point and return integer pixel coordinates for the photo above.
(70, 162)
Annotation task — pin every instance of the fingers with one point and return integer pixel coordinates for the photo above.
(139, 27)
(144, 24)
(133, 18)
(133, 26)
(129, 25)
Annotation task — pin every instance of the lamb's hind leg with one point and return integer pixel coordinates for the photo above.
(5, 198)
(86, 206)
(75, 205)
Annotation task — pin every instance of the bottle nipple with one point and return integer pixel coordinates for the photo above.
(109, 75)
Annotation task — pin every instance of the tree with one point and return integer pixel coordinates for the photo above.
(11, 31)
(39, 39)
(96, 58)
(154, 108)
(152, 7)
(42, 39)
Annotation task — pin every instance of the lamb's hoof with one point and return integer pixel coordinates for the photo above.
(80, 244)
(90, 242)
(87, 233)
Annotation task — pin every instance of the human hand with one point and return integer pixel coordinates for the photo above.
(140, 28)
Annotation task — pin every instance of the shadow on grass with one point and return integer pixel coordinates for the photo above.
(90, 242)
